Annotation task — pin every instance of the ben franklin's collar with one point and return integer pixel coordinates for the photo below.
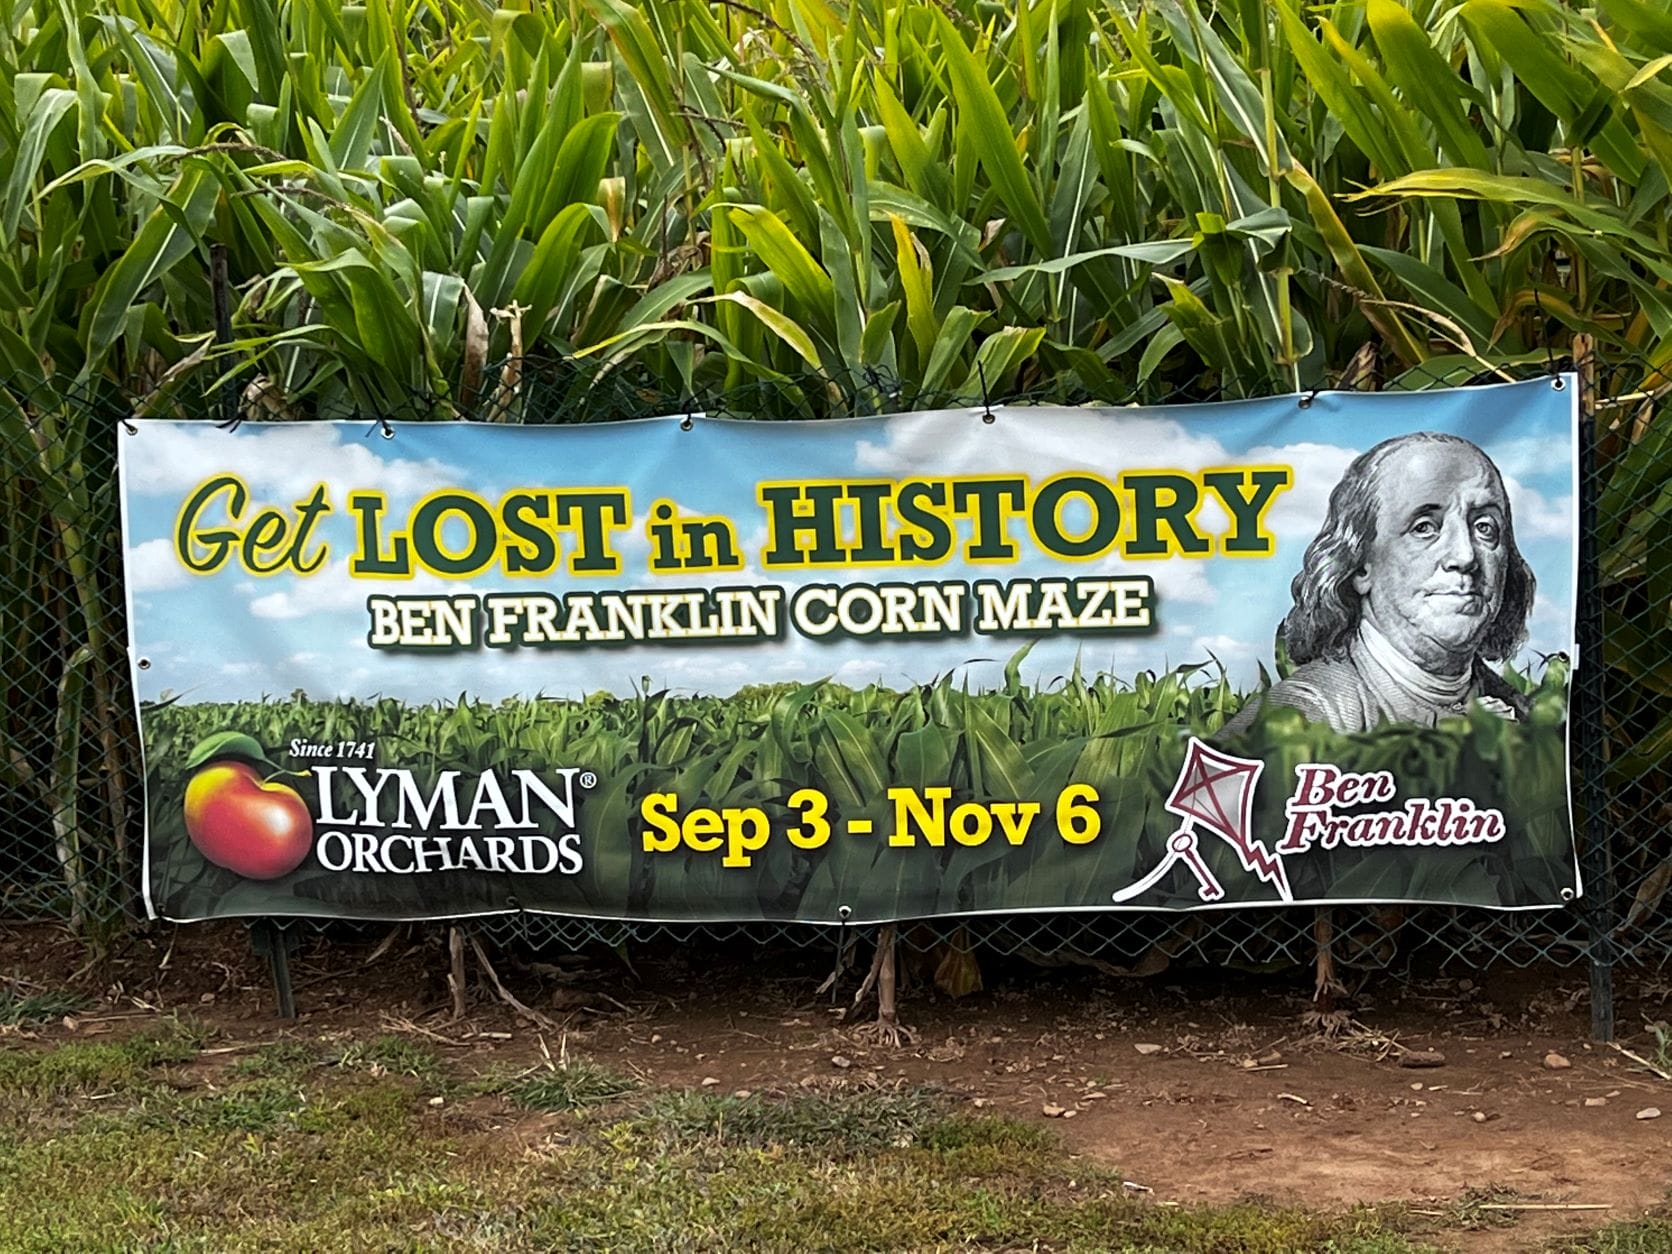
(1443, 691)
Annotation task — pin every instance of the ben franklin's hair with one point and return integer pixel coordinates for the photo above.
(1326, 612)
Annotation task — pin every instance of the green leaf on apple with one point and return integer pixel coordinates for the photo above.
(230, 744)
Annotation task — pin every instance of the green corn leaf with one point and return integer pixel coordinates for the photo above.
(993, 135)
(788, 258)
(781, 325)
(168, 236)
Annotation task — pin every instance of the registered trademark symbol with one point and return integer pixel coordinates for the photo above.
(588, 780)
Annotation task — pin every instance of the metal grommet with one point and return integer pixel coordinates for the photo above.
(1567, 894)
(388, 432)
(989, 417)
(687, 423)
(128, 426)
(144, 664)
(1559, 383)
(1306, 399)
(844, 912)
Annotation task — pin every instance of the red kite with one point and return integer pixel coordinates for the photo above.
(1216, 790)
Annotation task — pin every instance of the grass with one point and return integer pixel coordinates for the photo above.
(85, 1067)
(20, 1009)
(1649, 1235)
(571, 1085)
(303, 1147)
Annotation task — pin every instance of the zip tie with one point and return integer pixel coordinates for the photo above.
(1310, 396)
(987, 414)
(384, 426)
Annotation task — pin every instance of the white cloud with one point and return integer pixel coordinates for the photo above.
(1538, 517)
(334, 591)
(153, 567)
(1230, 650)
(279, 463)
(1038, 442)
(1299, 511)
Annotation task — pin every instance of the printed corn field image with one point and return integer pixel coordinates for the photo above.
(760, 746)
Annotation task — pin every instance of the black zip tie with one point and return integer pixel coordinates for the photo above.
(128, 425)
(689, 421)
(1310, 396)
(232, 424)
(987, 414)
(384, 426)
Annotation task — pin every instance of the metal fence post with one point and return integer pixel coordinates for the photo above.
(275, 942)
(1591, 759)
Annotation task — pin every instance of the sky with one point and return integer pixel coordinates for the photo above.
(233, 636)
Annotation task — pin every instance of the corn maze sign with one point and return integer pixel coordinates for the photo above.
(1069, 659)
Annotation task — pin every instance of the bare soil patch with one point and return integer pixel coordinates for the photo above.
(1213, 1087)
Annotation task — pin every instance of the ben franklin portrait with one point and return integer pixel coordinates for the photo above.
(1409, 592)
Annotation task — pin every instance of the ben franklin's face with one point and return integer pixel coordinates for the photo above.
(1433, 577)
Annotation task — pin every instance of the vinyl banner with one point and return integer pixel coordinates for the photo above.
(1305, 649)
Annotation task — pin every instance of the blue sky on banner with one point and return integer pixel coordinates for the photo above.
(231, 636)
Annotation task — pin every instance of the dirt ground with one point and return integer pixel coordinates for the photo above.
(1211, 1087)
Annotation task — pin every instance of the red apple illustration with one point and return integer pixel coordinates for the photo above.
(258, 830)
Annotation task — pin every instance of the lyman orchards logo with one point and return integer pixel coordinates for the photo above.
(1329, 809)
(238, 813)
(371, 820)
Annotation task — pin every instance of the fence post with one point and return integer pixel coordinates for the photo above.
(1596, 860)
(275, 942)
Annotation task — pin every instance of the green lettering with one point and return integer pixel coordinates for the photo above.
(427, 523)
(1105, 516)
(1248, 509)
(371, 559)
(786, 523)
(995, 500)
(1151, 513)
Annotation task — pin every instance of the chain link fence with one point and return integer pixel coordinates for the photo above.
(71, 778)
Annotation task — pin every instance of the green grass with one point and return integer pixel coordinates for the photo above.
(1651, 1235)
(298, 1147)
(303, 1147)
(281, 1060)
(843, 1124)
(570, 1086)
(394, 1055)
(83, 1067)
(19, 1009)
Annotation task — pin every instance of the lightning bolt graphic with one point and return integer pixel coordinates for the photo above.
(1255, 857)
(1216, 790)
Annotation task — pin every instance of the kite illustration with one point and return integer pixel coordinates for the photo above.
(1215, 790)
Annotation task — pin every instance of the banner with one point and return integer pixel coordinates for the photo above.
(1305, 649)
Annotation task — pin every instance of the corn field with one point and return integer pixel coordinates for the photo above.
(440, 208)
(408, 190)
